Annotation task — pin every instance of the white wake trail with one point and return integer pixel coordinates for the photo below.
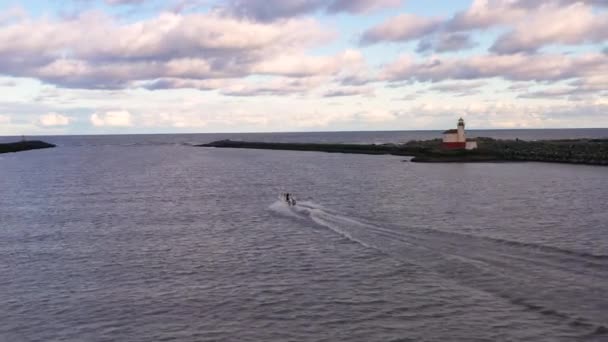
(566, 285)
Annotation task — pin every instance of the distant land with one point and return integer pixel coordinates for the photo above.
(24, 146)
(571, 151)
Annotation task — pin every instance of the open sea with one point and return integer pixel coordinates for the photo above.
(147, 238)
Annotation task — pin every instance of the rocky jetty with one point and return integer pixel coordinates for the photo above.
(576, 151)
(331, 148)
(25, 145)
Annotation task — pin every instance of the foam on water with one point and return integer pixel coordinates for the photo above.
(555, 282)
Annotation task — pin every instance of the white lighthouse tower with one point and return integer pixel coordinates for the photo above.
(461, 137)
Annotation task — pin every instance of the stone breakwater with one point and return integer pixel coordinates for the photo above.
(24, 146)
(577, 151)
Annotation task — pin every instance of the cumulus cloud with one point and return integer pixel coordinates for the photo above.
(179, 83)
(124, 2)
(349, 91)
(518, 67)
(560, 93)
(572, 24)
(401, 28)
(375, 116)
(120, 118)
(97, 52)
(12, 14)
(278, 86)
(445, 42)
(303, 66)
(53, 119)
(268, 10)
(361, 6)
(593, 82)
(530, 26)
(7, 83)
(487, 13)
(181, 120)
(458, 88)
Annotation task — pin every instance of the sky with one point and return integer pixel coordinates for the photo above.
(176, 66)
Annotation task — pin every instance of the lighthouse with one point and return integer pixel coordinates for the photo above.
(454, 139)
(460, 131)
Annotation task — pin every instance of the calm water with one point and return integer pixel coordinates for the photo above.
(141, 238)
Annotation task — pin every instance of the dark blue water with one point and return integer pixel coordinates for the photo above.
(141, 238)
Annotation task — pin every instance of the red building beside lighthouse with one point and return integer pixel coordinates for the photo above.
(454, 139)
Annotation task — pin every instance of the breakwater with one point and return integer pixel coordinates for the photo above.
(575, 151)
(24, 146)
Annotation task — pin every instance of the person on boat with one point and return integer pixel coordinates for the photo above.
(289, 199)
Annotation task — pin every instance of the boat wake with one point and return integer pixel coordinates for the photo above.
(567, 285)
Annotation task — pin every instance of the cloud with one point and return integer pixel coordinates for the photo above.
(570, 25)
(304, 66)
(112, 118)
(445, 42)
(592, 82)
(548, 93)
(375, 116)
(5, 119)
(530, 26)
(53, 119)
(518, 67)
(458, 88)
(349, 91)
(278, 86)
(404, 27)
(269, 10)
(12, 14)
(584, 88)
(179, 83)
(94, 51)
(7, 83)
(487, 13)
(124, 2)
(173, 120)
(361, 6)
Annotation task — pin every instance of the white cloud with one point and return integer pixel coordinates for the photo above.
(268, 10)
(403, 27)
(375, 116)
(53, 119)
(349, 91)
(570, 25)
(303, 66)
(276, 86)
(530, 25)
(124, 2)
(12, 14)
(5, 119)
(95, 51)
(120, 118)
(517, 67)
(182, 120)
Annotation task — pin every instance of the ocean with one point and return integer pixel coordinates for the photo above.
(147, 238)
